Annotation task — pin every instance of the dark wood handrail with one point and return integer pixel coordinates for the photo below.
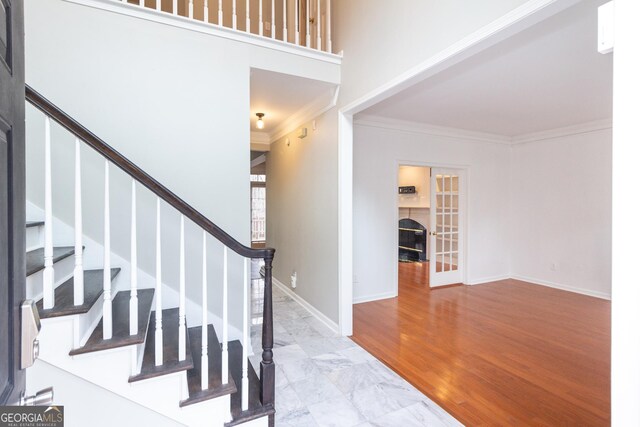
(62, 118)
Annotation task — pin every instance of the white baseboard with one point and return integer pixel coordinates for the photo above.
(375, 297)
(597, 294)
(488, 279)
(311, 309)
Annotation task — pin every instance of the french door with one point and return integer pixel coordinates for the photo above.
(446, 231)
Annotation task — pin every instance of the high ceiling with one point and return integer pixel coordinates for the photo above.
(279, 96)
(547, 77)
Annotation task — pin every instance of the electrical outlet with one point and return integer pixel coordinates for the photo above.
(267, 26)
(294, 280)
(355, 278)
(554, 266)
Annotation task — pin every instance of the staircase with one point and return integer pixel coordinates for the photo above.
(104, 328)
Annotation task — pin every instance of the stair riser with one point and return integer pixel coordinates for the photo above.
(63, 270)
(110, 369)
(35, 238)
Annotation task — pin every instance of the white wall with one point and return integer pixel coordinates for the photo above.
(561, 212)
(302, 213)
(382, 39)
(174, 101)
(377, 153)
(88, 404)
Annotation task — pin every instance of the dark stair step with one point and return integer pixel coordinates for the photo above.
(170, 360)
(255, 410)
(216, 388)
(120, 313)
(34, 224)
(93, 285)
(35, 258)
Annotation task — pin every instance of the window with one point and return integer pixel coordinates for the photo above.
(258, 208)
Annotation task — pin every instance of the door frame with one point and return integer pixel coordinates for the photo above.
(463, 218)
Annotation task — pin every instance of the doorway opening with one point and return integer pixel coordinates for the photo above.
(430, 229)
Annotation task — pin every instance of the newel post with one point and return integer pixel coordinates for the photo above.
(267, 368)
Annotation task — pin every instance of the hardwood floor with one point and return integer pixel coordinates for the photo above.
(501, 353)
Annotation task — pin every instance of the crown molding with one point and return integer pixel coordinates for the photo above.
(321, 105)
(587, 127)
(427, 129)
(165, 18)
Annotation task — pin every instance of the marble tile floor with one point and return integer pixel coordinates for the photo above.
(323, 379)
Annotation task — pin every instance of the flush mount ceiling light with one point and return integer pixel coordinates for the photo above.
(260, 122)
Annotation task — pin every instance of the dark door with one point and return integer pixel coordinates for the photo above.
(12, 198)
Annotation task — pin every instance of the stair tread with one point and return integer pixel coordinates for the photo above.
(216, 388)
(255, 410)
(30, 224)
(35, 258)
(93, 285)
(171, 364)
(120, 312)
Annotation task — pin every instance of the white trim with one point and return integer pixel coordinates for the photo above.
(321, 105)
(311, 309)
(153, 15)
(427, 129)
(487, 280)
(596, 294)
(449, 132)
(587, 127)
(375, 297)
(345, 222)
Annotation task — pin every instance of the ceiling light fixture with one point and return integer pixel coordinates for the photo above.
(260, 122)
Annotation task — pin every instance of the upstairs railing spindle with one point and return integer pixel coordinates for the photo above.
(48, 275)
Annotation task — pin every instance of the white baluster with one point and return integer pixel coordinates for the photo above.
(174, 7)
(285, 36)
(245, 338)
(235, 16)
(182, 328)
(158, 337)
(273, 18)
(206, 10)
(308, 27)
(329, 48)
(141, 3)
(248, 24)
(261, 23)
(225, 318)
(48, 274)
(205, 335)
(133, 302)
(318, 27)
(78, 272)
(158, 5)
(191, 9)
(107, 320)
(297, 21)
(220, 14)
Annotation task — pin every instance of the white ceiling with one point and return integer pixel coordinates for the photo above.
(280, 96)
(547, 77)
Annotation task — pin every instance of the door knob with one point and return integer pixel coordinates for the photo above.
(41, 398)
(433, 233)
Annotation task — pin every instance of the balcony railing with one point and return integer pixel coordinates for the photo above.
(305, 23)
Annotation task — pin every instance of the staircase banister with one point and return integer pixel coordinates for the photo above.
(89, 138)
